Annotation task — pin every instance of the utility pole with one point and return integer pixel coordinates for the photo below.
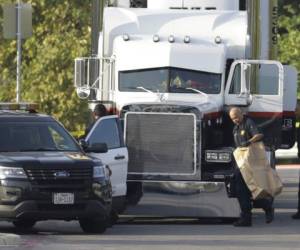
(97, 22)
(17, 24)
(19, 51)
(96, 25)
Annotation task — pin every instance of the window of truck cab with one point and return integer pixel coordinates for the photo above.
(266, 80)
(261, 79)
(169, 80)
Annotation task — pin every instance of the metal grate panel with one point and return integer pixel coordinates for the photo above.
(161, 143)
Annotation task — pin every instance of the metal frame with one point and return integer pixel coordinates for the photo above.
(110, 61)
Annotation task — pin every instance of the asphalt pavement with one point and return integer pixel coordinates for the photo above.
(9, 240)
(282, 234)
(284, 230)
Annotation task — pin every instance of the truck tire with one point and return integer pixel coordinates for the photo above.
(94, 225)
(24, 223)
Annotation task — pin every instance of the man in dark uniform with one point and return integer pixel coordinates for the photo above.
(99, 111)
(297, 214)
(246, 132)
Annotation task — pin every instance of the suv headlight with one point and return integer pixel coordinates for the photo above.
(217, 156)
(10, 172)
(99, 172)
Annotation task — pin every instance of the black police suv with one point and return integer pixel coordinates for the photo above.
(44, 174)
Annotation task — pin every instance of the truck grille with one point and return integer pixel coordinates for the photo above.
(161, 143)
(52, 179)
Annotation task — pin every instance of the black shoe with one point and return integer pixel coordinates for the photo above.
(296, 216)
(243, 222)
(113, 218)
(269, 215)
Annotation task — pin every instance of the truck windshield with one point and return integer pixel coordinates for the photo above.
(35, 136)
(170, 80)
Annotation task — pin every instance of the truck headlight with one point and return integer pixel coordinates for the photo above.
(99, 172)
(217, 156)
(225, 157)
(11, 172)
(211, 156)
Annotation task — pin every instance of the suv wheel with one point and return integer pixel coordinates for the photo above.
(24, 224)
(96, 225)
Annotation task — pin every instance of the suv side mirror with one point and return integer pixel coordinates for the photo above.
(83, 143)
(97, 148)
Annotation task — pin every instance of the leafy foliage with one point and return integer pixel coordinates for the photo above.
(60, 33)
(286, 5)
(289, 42)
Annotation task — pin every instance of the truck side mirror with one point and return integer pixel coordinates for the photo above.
(237, 90)
(97, 148)
(86, 75)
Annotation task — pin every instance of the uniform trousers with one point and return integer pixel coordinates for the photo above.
(244, 197)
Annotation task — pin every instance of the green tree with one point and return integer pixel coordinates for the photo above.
(285, 5)
(7, 66)
(289, 41)
(60, 33)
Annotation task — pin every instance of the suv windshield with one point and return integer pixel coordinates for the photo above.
(35, 136)
(170, 80)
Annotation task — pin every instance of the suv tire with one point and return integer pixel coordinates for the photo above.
(94, 225)
(24, 224)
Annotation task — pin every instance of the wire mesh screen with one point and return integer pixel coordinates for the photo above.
(161, 143)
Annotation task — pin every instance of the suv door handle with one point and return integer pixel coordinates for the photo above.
(119, 157)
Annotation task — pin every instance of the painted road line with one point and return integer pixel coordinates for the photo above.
(288, 166)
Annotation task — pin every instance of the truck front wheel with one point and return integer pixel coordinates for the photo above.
(94, 225)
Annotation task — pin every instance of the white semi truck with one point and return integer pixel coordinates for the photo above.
(169, 73)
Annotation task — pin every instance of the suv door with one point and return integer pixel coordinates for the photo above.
(108, 130)
(257, 85)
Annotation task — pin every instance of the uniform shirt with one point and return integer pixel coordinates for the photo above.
(244, 131)
(88, 129)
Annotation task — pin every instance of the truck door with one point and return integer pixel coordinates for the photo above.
(257, 87)
(108, 130)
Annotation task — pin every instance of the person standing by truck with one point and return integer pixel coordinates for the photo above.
(99, 111)
(245, 132)
(297, 214)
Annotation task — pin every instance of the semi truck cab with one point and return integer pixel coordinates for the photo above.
(170, 72)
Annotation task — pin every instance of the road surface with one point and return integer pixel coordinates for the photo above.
(283, 233)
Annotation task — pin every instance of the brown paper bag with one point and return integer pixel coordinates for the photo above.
(261, 179)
